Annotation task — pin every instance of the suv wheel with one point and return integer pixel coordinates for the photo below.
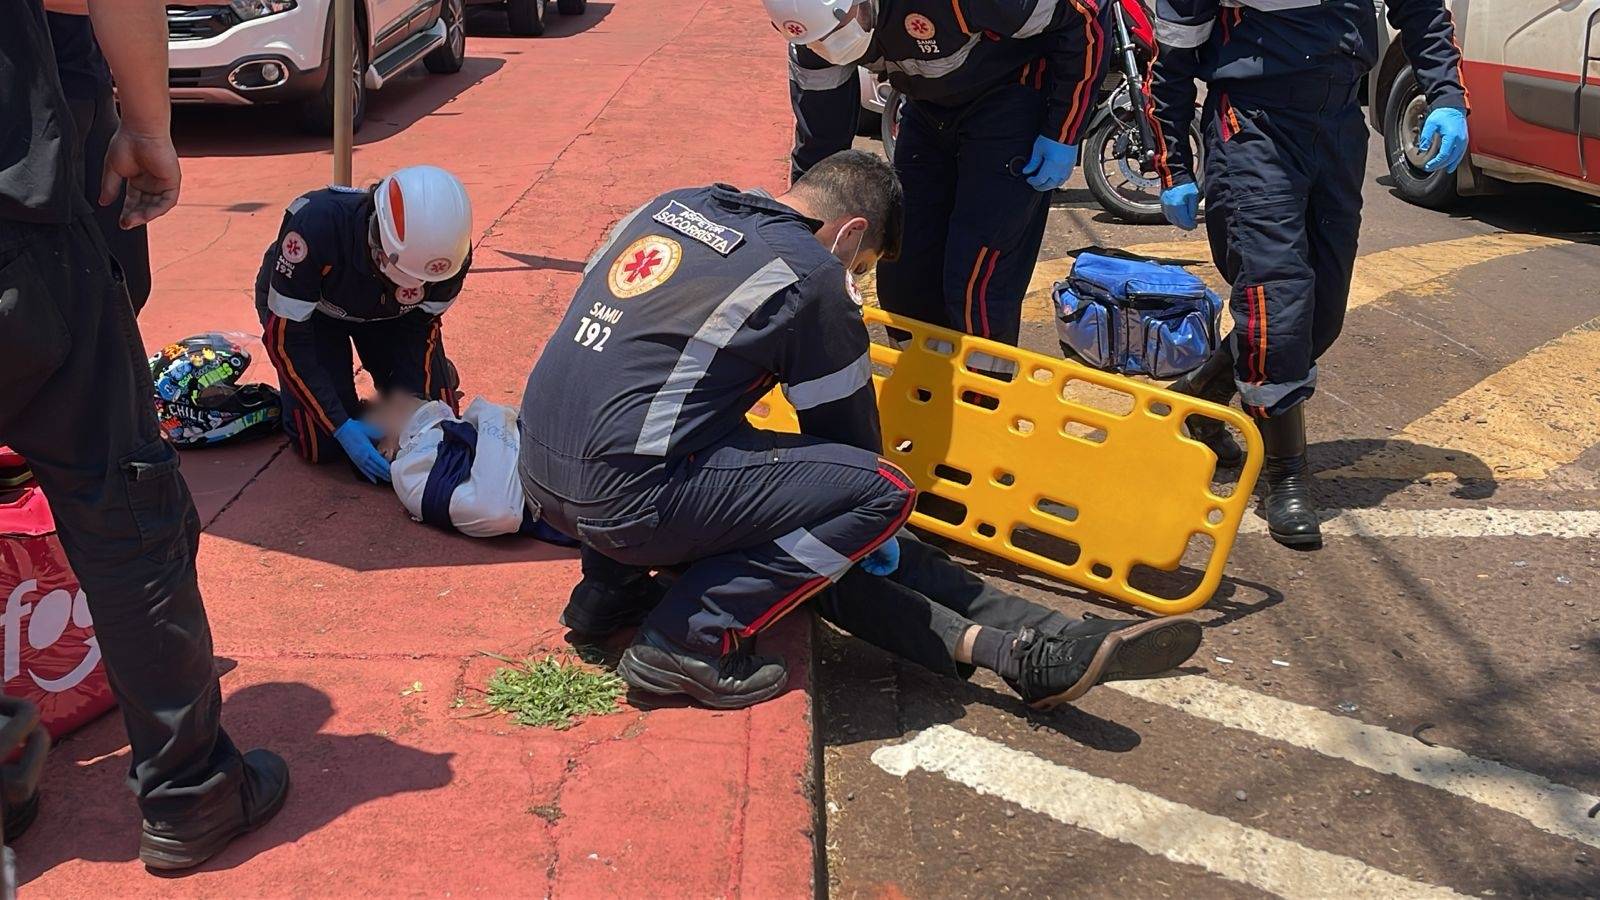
(1402, 125)
(572, 7)
(316, 113)
(447, 58)
(526, 17)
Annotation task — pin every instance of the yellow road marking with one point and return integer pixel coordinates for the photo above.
(1418, 268)
(1523, 422)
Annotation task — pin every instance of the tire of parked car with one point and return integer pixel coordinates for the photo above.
(316, 113)
(572, 7)
(448, 57)
(1402, 123)
(526, 17)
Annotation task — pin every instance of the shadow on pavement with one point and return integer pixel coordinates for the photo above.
(1525, 208)
(1403, 463)
(531, 262)
(273, 130)
(491, 21)
(87, 813)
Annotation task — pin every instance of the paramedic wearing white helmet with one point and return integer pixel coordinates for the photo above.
(373, 269)
(997, 91)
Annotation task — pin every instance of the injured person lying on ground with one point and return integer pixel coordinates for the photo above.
(635, 441)
(458, 473)
(931, 611)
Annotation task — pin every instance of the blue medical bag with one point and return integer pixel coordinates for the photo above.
(1135, 316)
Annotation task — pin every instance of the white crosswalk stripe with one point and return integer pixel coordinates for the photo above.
(1548, 806)
(1155, 824)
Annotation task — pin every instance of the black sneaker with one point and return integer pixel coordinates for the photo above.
(1059, 668)
(172, 845)
(597, 610)
(741, 678)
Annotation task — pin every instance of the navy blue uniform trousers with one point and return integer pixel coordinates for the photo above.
(755, 524)
(405, 354)
(973, 224)
(1284, 165)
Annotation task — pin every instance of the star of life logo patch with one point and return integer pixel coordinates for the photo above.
(645, 265)
(919, 26)
(793, 28)
(294, 247)
(692, 224)
(408, 296)
(438, 266)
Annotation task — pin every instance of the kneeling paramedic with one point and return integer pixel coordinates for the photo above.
(1285, 155)
(997, 95)
(374, 268)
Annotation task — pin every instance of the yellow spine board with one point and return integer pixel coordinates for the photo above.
(1072, 472)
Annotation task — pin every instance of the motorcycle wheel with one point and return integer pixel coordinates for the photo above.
(1118, 179)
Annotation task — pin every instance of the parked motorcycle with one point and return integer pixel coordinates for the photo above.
(1117, 151)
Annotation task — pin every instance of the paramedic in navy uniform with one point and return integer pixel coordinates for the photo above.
(1285, 153)
(374, 268)
(998, 92)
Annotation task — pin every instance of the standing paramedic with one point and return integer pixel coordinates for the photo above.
(1285, 153)
(75, 401)
(375, 268)
(998, 91)
(635, 441)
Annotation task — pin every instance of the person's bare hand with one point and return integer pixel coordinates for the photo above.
(148, 163)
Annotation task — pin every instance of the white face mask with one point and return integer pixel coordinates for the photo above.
(846, 44)
(849, 266)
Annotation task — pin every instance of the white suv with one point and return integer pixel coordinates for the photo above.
(243, 52)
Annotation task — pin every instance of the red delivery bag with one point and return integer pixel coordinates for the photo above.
(51, 656)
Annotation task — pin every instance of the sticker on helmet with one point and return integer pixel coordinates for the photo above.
(294, 247)
(408, 296)
(644, 265)
(919, 26)
(793, 28)
(438, 266)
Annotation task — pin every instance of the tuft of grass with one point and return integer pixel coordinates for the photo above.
(552, 692)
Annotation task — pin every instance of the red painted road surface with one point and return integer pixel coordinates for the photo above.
(329, 604)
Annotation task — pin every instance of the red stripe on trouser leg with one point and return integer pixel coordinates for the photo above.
(1261, 340)
(895, 477)
(983, 291)
(972, 280)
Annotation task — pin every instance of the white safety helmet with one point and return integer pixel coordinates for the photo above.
(839, 31)
(422, 226)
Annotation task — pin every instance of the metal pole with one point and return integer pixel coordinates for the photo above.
(343, 89)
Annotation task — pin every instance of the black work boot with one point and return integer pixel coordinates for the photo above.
(171, 845)
(1061, 667)
(656, 665)
(611, 597)
(1213, 381)
(1291, 513)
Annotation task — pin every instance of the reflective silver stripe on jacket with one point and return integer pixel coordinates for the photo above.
(661, 419)
(1272, 5)
(288, 307)
(435, 307)
(818, 79)
(935, 68)
(834, 386)
(1172, 34)
(812, 553)
(985, 362)
(612, 237)
(298, 204)
(1038, 20)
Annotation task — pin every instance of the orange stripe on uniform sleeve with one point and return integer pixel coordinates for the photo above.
(1086, 89)
(961, 20)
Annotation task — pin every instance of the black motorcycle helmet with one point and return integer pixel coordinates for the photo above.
(198, 398)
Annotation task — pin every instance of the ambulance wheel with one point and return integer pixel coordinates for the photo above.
(572, 7)
(1402, 126)
(526, 17)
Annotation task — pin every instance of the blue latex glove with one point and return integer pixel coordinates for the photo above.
(1050, 164)
(1450, 125)
(1181, 204)
(884, 560)
(356, 438)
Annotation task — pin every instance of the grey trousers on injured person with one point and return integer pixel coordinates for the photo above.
(920, 612)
